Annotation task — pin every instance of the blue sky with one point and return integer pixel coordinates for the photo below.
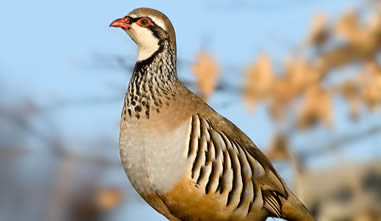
(48, 49)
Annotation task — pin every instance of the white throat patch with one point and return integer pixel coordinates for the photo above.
(146, 41)
(143, 37)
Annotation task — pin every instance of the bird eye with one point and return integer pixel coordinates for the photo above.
(144, 22)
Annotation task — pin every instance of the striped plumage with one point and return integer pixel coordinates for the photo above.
(187, 161)
(222, 167)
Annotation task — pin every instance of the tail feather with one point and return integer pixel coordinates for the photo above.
(294, 210)
(286, 207)
(272, 202)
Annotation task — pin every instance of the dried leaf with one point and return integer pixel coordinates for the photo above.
(348, 25)
(364, 37)
(207, 73)
(281, 95)
(349, 89)
(300, 74)
(374, 24)
(257, 81)
(279, 149)
(338, 57)
(109, 198)
(317, 107)
(319, 32)
(372, 88)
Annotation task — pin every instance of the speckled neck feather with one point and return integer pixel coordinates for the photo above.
(152, 84)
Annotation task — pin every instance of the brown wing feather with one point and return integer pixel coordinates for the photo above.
(240, 148)
(228, 136)
(223, 125)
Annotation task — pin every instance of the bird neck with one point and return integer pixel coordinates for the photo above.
(153, 83)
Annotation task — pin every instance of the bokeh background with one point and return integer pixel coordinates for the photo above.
(301, 78)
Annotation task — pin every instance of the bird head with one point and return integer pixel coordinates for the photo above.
(147, 28)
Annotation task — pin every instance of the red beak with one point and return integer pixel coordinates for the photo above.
(124, 23)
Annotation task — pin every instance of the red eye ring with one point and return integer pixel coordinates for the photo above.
(144, 22)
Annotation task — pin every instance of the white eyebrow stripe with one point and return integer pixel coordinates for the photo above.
(158, 22)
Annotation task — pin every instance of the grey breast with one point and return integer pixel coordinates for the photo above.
(153, 158)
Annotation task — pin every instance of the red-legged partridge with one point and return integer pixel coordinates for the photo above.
(187, 161)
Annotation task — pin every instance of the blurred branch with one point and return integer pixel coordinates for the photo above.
(20, 117)
(341, 142)
(96, 160)
(20, 120)
(81, 102)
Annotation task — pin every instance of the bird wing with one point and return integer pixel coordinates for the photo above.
(225, 161)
